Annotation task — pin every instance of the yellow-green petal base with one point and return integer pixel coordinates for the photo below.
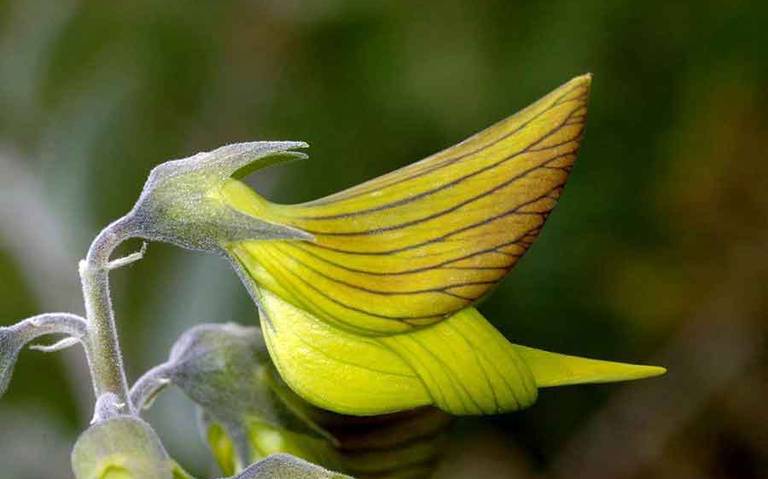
(461, 365)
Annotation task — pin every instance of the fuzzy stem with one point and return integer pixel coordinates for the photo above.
(50, 323)
(105, 359)
(146, 387)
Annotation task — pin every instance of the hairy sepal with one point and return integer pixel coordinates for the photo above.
(181, 204)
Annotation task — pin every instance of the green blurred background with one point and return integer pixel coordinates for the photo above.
(657, 252)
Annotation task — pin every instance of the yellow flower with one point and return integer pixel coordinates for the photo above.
(372, 311)
(375, 313)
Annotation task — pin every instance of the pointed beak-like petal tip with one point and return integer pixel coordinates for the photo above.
(581, 81)
(642, 371)
(585, 79)
(654, 371)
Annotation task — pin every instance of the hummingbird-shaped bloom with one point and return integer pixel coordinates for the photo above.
(368, 297)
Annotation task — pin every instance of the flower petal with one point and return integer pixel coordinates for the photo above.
(413, 247)
(461, 365)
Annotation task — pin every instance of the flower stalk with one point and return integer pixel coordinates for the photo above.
(101, 342)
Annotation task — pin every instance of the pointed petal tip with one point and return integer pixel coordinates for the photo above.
(577, 88)
(553, 369)
(653, 371)
(578, 82)
(584, 79)
(631, 372)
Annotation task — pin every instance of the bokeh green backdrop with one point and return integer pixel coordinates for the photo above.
(657, 252)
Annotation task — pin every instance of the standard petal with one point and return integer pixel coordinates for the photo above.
(414, 246)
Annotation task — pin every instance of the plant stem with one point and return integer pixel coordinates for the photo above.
(147, 386)
(51, 323)
(105, 358)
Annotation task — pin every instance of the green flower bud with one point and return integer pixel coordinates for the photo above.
(225, 369)
(126, 447)
(123, 447)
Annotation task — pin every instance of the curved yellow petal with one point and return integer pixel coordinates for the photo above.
(419, 244)
(335, 369)
(223, 449)
(468, 367)
(461, 365)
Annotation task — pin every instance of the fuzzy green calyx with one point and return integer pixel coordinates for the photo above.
(181, 203)
(247, 412)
